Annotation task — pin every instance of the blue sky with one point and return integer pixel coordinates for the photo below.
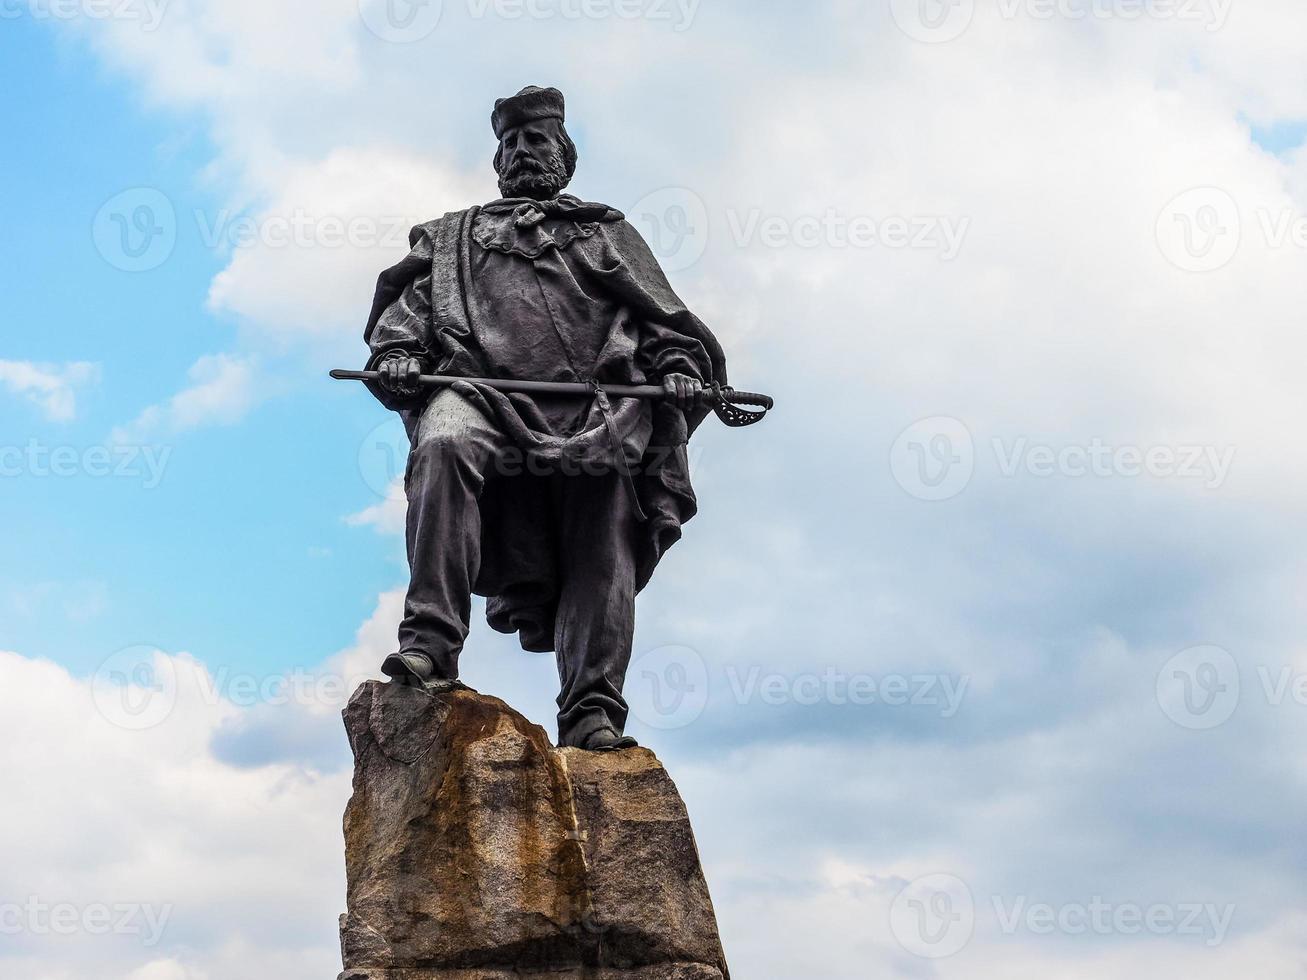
(1028, 288)
(216, 557)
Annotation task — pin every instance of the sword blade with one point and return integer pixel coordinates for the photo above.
(509, 386)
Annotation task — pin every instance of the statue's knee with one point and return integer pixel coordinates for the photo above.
(449, 439)
(441, 443)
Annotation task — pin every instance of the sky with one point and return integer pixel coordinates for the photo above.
(984, 656)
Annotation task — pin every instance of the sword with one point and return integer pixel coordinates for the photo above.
(725, 401)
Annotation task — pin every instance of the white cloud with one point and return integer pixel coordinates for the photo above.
(222, 390)
(77, 601)
(52, 388)
(166, 970)
(152, 819)
(308, 263)
(388, 516)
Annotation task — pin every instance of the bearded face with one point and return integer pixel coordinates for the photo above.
(532, 161)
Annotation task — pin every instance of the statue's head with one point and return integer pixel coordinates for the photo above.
(536, 158)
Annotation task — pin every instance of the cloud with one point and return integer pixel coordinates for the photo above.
(149, 822)
(52, 388)
(166, 970)
(212, 822)
(306, 265)
(303, 725)
(77, 601)
(222, 390)
(389, 516)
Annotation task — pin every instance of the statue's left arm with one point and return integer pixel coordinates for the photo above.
(672, 339)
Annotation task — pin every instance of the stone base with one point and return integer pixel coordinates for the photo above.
(475, 850)
(668, 971)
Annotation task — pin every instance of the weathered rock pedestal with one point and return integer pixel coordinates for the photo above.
(477, 851)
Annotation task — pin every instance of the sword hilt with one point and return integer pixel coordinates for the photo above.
(765, 402)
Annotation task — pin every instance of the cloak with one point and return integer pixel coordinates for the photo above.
(439, 304)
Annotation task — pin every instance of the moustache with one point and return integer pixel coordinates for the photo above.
(526, 164)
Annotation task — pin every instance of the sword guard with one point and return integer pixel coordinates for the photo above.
(726, 404)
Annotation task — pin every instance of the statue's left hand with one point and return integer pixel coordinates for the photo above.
(683, 391)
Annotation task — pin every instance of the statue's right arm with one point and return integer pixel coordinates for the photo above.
(400, 339)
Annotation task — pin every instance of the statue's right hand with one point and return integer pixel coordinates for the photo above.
(399, 375)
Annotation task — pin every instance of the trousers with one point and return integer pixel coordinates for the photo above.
(455, 450)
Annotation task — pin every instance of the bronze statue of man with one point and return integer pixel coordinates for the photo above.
(557, 509)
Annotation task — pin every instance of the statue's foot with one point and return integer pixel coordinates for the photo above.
(607, 740)
(417, 670)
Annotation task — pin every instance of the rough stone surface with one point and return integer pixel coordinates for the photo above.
(475, 850)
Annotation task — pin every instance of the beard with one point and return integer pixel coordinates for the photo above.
(527, 177)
